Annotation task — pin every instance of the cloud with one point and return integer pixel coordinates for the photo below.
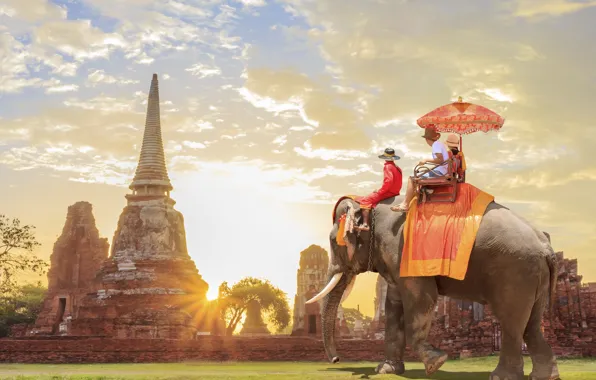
(62, 88)
(77, 39)
(96, 77)
(153, 27)
(15, 66)
(202, 71)
(252, 3)
(287, 90)
(532, 8)
(32, 10)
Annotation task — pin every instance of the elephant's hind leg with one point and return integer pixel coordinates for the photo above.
(419, 295)
(544, 365)
(395, 339)
(513, 313)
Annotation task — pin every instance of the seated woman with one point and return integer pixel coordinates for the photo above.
(392, 179)
(439, 154)
(452, 143)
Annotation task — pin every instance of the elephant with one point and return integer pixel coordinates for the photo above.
(512, 268)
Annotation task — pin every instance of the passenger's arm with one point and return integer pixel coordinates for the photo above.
(438, 160)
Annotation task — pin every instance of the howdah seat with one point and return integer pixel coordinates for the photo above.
(438, 189)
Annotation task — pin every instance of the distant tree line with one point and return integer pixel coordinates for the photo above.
(22, 305)
(18, 303)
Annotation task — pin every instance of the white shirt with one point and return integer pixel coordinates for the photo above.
(439, 147)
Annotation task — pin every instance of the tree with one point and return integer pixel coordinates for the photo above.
(16, 253)
(22, 305)
(234, 302)
(351, 315)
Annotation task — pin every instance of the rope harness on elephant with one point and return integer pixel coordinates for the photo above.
(372, 240)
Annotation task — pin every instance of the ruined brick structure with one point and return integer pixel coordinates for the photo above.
(311, 278)
(471, 330)
(573, 330)
(377, 326)
(76, 258)
(254, 324)
(149, 287)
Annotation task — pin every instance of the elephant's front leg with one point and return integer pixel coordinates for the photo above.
(419, 295)
(395, 335)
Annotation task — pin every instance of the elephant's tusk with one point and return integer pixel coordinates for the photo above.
(348, 290)
(326, 289)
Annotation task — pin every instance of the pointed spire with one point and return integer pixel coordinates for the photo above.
(151, 170)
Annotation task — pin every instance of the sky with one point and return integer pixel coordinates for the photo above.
(271, 110)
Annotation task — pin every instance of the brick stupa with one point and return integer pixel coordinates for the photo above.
(77, 256)
(149, 287)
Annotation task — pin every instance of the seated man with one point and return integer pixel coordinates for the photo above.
(392, 178)
(440, 155)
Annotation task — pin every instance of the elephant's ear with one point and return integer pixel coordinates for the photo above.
(349, 234)
(344, 232)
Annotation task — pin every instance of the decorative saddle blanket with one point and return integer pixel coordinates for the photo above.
(438, 237)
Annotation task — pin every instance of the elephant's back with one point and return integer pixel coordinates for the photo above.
(503, 230)
(507, 250)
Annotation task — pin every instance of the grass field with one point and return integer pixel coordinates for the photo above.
(468, 369)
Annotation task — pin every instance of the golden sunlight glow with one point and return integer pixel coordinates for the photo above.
(212, 292)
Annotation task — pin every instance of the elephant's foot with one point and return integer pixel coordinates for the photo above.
(545, 372)
(391, 367)
(501, 374)
(433, 360)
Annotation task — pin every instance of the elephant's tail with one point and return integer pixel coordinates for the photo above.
(553, 266)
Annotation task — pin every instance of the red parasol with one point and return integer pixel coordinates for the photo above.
(461, 118)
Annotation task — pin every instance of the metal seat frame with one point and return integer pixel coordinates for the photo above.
(449, 180)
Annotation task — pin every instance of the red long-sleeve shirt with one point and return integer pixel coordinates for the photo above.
(392, 180)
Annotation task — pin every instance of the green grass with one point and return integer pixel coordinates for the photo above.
(468, 369)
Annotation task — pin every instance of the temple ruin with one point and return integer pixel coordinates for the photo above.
(149, 287)
(311, 278)
(77, 256)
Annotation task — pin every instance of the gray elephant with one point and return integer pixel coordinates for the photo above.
(512, 268)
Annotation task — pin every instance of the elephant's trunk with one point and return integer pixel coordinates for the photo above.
(329, 315)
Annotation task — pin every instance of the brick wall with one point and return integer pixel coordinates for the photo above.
(209, 348)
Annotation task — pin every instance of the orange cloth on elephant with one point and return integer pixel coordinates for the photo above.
(392, 182)
(439, 236)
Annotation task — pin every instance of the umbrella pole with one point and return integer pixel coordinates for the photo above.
(461, 144)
